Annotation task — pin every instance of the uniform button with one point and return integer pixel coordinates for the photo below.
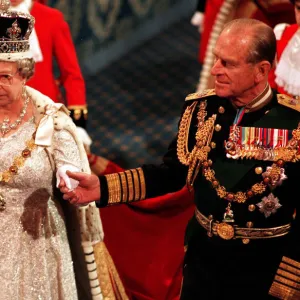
(249, 194)
(210, 234)
(249, 224)
(218, 127)
(251, 207)
(221, 110)
(213, 145)
(258, 170)
(245, 241)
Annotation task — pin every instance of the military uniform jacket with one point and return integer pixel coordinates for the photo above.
(238, 176)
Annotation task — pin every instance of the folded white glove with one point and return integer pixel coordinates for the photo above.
(84, 137)
(71, 184)
(198, 20)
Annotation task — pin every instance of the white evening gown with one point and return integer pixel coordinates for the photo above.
(35, 258)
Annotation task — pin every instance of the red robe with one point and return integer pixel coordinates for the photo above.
(212, 8)
(287, 34)
(269, 11)
(55, 41)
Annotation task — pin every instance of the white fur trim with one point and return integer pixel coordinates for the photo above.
(288, 69)
(85, 138)
(279, 29)
(15, 56)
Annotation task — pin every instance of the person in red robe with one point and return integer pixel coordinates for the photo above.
(53, 39)
(286, 77)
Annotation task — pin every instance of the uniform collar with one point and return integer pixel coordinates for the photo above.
(259, 101)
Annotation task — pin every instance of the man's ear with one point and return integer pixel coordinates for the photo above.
(262, 71)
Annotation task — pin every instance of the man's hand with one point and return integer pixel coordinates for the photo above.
(88, 189)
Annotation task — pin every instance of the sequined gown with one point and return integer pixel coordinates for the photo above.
(35, 258)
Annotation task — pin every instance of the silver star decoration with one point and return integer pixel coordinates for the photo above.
(269, 205)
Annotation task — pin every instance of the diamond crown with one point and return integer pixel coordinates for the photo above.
(15, 29)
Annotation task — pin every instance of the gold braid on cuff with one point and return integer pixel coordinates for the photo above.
(79, 111)
(286, 284)
(126, 186)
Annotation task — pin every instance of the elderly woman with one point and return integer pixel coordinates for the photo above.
(38, 144)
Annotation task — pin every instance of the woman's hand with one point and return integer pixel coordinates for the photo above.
(88, 189)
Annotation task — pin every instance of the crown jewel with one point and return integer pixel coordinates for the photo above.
(15, 30)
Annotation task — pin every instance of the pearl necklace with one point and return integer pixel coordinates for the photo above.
(6, 126)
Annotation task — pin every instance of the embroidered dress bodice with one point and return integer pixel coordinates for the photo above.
(35, 258)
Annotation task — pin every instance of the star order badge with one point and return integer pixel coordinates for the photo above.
(269, 205)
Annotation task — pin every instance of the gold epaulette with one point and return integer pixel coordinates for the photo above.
(205, 93)
(289, 101)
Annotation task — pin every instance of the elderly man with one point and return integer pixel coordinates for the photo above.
(237, 147)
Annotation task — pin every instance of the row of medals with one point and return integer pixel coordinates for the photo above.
(257, 151)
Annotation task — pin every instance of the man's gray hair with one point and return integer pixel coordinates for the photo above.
(263, 46)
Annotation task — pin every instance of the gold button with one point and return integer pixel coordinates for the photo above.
(221, 110)
(210, 217)
(213, 145)
(218, 127)
(249, 224)
(245, 241)
(251, 207)
(258, 170)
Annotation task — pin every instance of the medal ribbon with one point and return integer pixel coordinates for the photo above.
(239, 116)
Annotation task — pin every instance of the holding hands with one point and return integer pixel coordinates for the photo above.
(88, 189)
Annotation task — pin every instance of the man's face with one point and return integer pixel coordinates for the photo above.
(297, 12)
(15, 2)
(234, 77)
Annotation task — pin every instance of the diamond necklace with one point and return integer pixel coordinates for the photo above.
(6, 126)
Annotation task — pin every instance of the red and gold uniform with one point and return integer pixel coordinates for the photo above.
(55, 40)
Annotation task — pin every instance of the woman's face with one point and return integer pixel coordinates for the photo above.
(15, 2)
(13, 83)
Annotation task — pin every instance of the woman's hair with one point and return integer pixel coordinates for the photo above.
(26, 67)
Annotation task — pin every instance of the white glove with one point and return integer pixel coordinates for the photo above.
(71, 184)
(198, 21)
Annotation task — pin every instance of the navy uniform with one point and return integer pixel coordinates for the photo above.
(243, 241)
